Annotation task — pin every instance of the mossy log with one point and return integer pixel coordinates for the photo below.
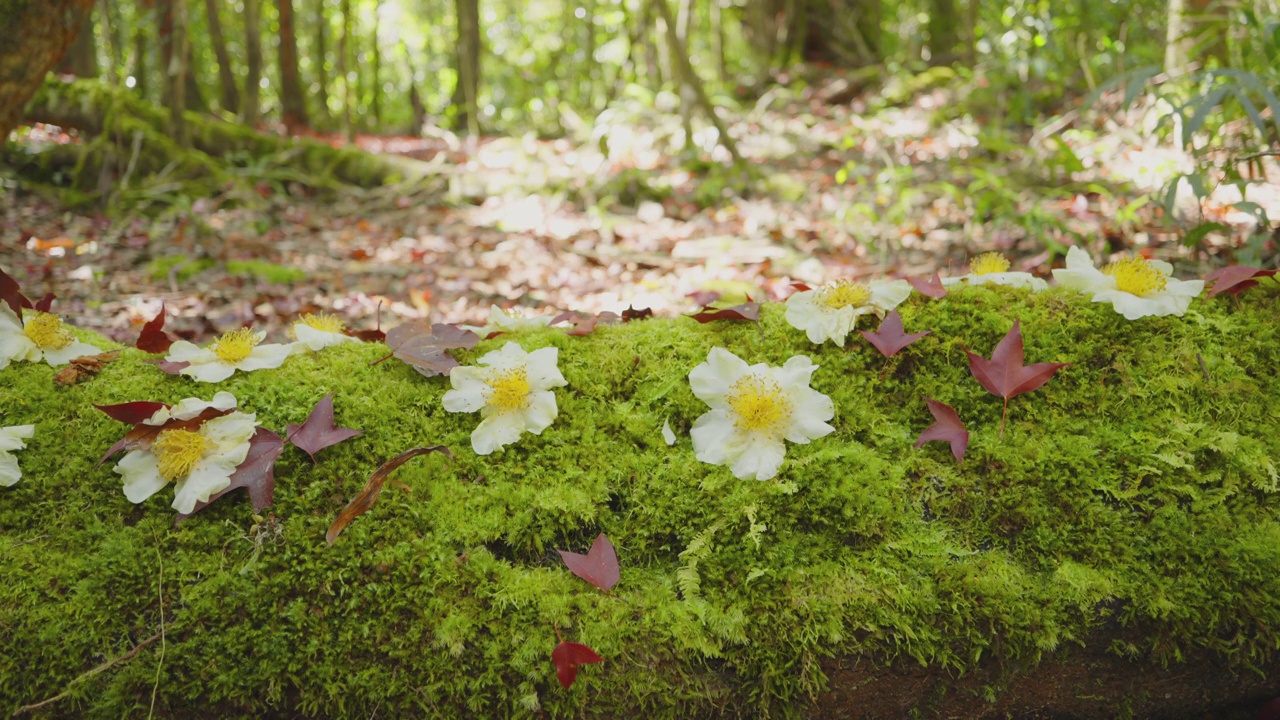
(125, 121)
(1115, 553)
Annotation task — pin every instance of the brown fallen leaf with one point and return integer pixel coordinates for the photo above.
(585, 324)
(365, 499)
(426, 347)
(153, 338)
(83, 368)
(257, 473)
(746, 311)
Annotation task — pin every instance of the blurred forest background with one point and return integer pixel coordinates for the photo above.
(244, 160)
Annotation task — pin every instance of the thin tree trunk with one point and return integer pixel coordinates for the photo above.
(177, 71)
(111, 30)
(141, 49)
(253, 61)
(717, 40)
(226, 76)
(685, 72)
(164, 40)
(322, 59)
(415, 99)
(972, 13)
(375, 101)
(1175, 42)
(344, 70)
(466, 93)
(944, 21)
(292, 104)
(684, 9)
(81, 59)
(33, 38)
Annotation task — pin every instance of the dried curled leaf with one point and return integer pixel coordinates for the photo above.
(585, 324)
(365, 499)
(83, 368)
(749, 311)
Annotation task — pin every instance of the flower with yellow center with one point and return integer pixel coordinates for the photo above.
(754, 409)
(993, 269)
(12, 439)
(509, 321)
(41, 337)
(831, 312)
(512, 391)
(199, 460)
(317, 332)
(235, 350)
(1135, 286)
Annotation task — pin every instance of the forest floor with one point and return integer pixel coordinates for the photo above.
(611, 217)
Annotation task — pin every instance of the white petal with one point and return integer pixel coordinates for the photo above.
(205, 480)
(316, 340)
(542, 370)
(141, 473)
(713, 434)
(1023, 280)
(17, 346)
(265, 357)
(210, 372)
(712, 379)
(809, 416)
(1165, 268)
(469, 392)
(71, 352)
(188, 408)
(1184, 288)
(760, 460)
(540, 412)
(183, 351)
(889, 294)
(230, 435)
(667, 433)
(507, 357)
(13, 437)
(10, 473)
(1078, 259)
(950, 281)
(9, 323)
(496, 431)
(819, 323)
(797, 371)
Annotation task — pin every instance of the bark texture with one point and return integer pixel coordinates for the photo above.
(34, 35)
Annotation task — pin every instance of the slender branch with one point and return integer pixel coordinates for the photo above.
(1255, 156)
(101, 668)
(688, 76)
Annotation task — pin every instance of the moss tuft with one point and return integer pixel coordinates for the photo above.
(1133, 498)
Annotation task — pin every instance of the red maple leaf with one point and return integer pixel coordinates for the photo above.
(318, 432)
(746, 311)
(257, 473)
(890, 338)
(947, 428)
(1235, 279)
(132, 412)
(598, 567)
(1005, 375)
(45, 304)
(931, 287)
(567, 656)
(11, 294)
(153, 338)
(426, 347)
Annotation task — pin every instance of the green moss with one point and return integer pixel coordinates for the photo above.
(263, 270)
(1132, 498)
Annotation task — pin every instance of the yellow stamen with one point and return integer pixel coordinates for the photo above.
(988, 263)
(178, 452)
(844, 293)
(760, 405)
(324, 322)
(509, 390)
(1136, 276)
(46, 331)
(234, 346)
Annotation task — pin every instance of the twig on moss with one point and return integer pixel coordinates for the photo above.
(159, 591)
(101, 668)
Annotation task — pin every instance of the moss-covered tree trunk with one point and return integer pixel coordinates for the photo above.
(253, 60)
(292, 104)
(81, 59)
(34, 35)
(226, 76)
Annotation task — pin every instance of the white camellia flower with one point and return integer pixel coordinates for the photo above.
(317, 332)
(513, 394)
(514, 320)
(753, 410)
(199, 462)
(1135, 287)
(831, 312)
(235, 350)
(993, 268)
(12, 438)
(41, 337)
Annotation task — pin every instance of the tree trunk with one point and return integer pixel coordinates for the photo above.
(112, 31)
(141, 49)
(375, 100)
(292, 104)
(846, 33)
(226, 76)
(344, 70)
(973, 10)
(177, 72)
(33, 38)
(944, 22)
(174, 39)
(1175, 41)
(467, 92)
(253, 61)
(322, 64)
(685, 71)
(81, 59)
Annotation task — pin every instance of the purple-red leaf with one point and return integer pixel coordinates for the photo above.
(257, 473)
(1235, 279)
(890, 338)
(318, 432)
(153, 338)
(11, 295)
(426, 347)
(132, 412)
(365, 499)
(567, 656)
(704, 297)
(374, 335)
(598, 567)
(585, 324)
(45, 304)
(746, 311)
(171, 368)
(947, 428)
(931, 287)
(1004, 374)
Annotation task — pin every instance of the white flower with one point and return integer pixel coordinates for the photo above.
(190, 407)
(41, 337)
(317, 332)
(831, 312)
(513, 320)
(11, 439)
(513, 394)
(235, 350)
(200, 462)
(668, 435)
(753, 410)
(1135, 287)
(993, 268)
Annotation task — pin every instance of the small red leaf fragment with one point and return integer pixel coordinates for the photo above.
(257, 473)
(704, 297)
(585, 324)
(890, 339)
(132, 412)
(153, 338)
(11, 295)
(746, 311)
(426, 347)
(631, 313)
(45, 304)
(1004, 375)
(1235, 279)
(947, 428)
(598, 567)
(365, 499)
(567, 656)
(930, 287)
(318, 432)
